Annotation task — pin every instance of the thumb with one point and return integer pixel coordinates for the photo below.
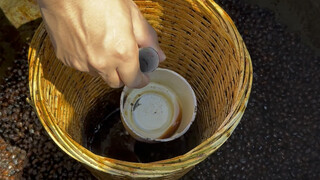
(145, 35)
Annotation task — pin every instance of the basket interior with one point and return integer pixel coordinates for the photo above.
(197, 45)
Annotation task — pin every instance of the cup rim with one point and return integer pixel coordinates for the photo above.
(175, 135)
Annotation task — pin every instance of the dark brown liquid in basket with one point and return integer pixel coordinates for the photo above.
(105, 135)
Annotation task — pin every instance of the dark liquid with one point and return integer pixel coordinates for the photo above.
(105, 135)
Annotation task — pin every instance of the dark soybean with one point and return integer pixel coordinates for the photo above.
(20, 127)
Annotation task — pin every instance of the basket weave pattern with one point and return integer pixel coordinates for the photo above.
(201, 43)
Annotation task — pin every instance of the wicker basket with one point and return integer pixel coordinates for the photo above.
(201, 43)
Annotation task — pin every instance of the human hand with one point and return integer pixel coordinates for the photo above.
(100, 37)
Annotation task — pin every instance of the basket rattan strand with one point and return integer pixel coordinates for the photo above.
(201, 43)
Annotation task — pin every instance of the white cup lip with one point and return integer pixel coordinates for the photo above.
(176, 135)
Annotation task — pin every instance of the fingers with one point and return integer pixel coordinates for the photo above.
(123, 54)
(127, 73)
(151, 40)
(112, 79)
(145, 35)
(132, 77)
(122, 65)
(130, 73)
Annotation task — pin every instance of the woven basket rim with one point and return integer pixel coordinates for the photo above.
(152, 169)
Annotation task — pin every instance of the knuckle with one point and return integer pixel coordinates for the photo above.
(127, 52)
(99, 64)
(78, 66)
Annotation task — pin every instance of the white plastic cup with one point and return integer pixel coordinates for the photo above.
(160, 112)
